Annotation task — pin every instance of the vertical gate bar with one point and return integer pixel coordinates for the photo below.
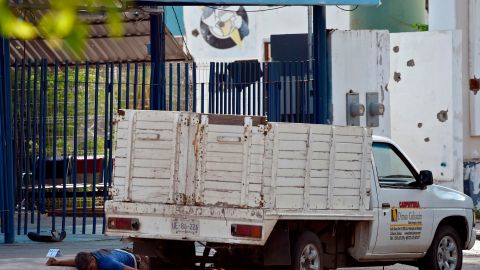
(15, 121)
(297, 93)
(232, 89)
(75, 149)
(279, 72)
(40, 151)
(95, 144)
(217, 78)
(254, 88)
(261, 90)
(322, 95)
(135, 85)
(105, 137)
(21, 143)
(221, 88)
(151, 88)
(226, 88)
(187, 88)
(65, 119)
(248, 80)
(210, 88)
(302, 91)
(34, 140)
(85, 147)
(54, 145)
(243, 75)
(283, 91)
(170, 86)
(238, 87)
(202, 105)
(119, 87)
(308, 94)
(275, 92)
(178, 87)
(290, 90)
(27, 146)
(144, 76)
(194, 86)
(127, 88)
(110, 146)
(42, 140)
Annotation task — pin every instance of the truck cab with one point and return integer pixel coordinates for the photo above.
(414, 218)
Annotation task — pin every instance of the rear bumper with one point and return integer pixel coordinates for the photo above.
(214, 223)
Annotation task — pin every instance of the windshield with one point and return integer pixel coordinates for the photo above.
(391, 169)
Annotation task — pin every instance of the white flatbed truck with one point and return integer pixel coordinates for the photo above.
(261, 194)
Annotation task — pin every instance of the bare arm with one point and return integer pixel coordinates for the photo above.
(65, 262)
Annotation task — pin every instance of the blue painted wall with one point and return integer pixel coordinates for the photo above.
(171, 21)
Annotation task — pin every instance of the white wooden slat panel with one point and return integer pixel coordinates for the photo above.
(255, 178)
(218, 197)
(225, 129)
(292, 145)
(349, 139)
(256, 168)
(257, 150)
(151, 172)
(292, 128)
(153, 145)
(295, 173)
(151, 163)
(318, 202)
(346, 192)
(141, 125)
(346, 202)
(290, 181)
(349, 148)
(321, 146)
(293, 136)
(291, 163)
(145, 194)
(151, 182)
(256, 158)
(258, 140)
(318, 190)
(348, 165)
(319, 182)
(224, 148)
(347, 183)
(164, 135)
(222, 185)
(121, 133)
(289, 201)
(292, 154)
(154, 153)
(214, 137)
(314, 173)
(123, 127)
(290, 191)
(234, 158)
(321, 129)
(320, 164)
(255, 187)
(223, 176)
(157, 116)
(224, 167)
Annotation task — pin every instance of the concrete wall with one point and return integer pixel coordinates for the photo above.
(426, 101)
(261, 25)
(360, 63)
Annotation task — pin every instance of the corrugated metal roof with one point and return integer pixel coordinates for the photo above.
(99, 47)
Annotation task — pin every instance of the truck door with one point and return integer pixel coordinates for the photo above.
(405, 213)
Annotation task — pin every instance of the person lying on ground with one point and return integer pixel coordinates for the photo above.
(103, 259)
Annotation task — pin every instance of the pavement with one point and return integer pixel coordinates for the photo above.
(28, 255)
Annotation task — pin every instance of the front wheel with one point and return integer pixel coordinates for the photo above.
(445, 253)
(307, 252)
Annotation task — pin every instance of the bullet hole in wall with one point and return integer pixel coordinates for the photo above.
(442, 116)
(396, 49)
(410, 63)
(397, 76)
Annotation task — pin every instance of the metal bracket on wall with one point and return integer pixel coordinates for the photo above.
(374, 109)
(354, 109)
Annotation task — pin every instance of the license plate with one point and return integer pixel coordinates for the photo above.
(186, 227)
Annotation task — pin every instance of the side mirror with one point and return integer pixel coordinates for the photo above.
(426, 179)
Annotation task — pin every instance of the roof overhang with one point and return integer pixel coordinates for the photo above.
(259, 2)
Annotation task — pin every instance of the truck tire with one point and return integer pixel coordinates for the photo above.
(307, 252)
(445, 253)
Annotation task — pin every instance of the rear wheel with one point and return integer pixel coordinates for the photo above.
(445, 253)
(307, 253)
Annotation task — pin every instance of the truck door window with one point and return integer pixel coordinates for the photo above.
(391, 168)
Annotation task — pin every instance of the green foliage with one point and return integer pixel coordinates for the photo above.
(61, 24)
(420, 27)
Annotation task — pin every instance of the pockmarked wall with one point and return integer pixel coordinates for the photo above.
(426, 102)
(360, 64)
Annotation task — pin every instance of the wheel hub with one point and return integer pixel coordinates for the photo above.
(447, 253)
(310, 258)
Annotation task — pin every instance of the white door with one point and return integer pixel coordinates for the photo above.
(405, 213)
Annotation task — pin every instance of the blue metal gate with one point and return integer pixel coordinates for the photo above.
(63, 124)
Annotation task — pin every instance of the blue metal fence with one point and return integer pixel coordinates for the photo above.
(63, 123)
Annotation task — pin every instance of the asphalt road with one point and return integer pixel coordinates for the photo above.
(31, 256)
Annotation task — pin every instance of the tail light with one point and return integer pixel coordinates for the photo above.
(127, 224)
(241, 230)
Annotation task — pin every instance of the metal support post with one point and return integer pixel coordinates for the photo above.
(6, 150)
(157, 45)
(322, 97)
